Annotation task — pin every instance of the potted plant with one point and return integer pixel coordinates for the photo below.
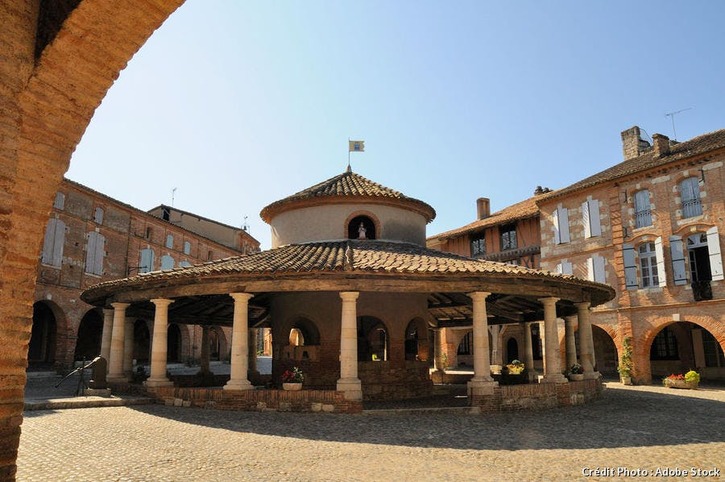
(576, 372)
(516, 367)
(689, 380)
(625, 362)
(292, 379)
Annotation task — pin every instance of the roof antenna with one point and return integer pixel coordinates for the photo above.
(173, 195)
(671, 115)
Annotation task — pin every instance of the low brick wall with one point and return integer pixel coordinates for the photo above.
(381, 381)
(258, 400)
(535, 396)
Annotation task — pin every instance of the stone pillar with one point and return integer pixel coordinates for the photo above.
(529, 352)
(159, 345)
(204, 355)
(571, 357)
(552, 371)
(128, 349)
(240, 340)
(253, 353)
(349, 383)
(106, 337)
(115, 362)
(481, 383)
(438, 360)
(586, 343)
(496, 351)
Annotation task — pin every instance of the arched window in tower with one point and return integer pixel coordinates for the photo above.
(361, 227)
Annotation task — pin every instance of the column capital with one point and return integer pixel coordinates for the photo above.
(478, 295)
(120, 306)
(349, 295)
(159, 302)
(241, 296)
(549, 301)
(584, 305)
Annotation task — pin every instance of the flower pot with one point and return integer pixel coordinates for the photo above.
(576, 377)
(292, 386)
(670, 383)
(626, 380)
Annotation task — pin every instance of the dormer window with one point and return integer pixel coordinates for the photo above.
(361, 227)
(508, 237)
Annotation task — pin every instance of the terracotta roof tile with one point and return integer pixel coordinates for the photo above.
(345, 185)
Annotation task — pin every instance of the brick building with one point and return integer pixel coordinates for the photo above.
(91, 238)
(650, 227)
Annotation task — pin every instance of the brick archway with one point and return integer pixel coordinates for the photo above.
(55, 75)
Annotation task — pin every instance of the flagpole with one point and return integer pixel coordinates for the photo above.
(348, 154)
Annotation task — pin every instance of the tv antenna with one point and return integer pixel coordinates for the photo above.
(173, 196)
(671, 115)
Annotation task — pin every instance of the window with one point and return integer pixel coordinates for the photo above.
(95, 252)
(98, 216)
(595, 266)
(167, 262)
(210, 255)
(361, 227)
(166, 213)
(187, 247)
(690, 194)
(590, 218)
(478, 245)
(59, 202)
(713, 353)
(170, 241)
(147, 261)
(53, 243)
(565, 267)
(149, 231)
(642, 212)
(184, 264)
(664, 346)
(561, 225)
(648, 265)
(508, 236)
(466, 345)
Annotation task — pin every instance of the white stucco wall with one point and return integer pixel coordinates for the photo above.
(328, 222)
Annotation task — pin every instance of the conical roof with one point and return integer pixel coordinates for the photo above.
(345, 188)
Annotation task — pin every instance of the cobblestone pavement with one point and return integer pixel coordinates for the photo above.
(630, 428)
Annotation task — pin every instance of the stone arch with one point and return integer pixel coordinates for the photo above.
(90, 332)
(417, 340)
(606, 356)
(373, 339)
(303, 340)
(365, 218)
(217, 343)
(47, 319)
(141, 341)
(512, 350)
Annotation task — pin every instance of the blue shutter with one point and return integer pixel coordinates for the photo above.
(679, 273)
(630, 267)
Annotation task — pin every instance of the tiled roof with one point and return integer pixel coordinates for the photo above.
(521, 210)
(678, 151)
(351, 256)
(345, 186)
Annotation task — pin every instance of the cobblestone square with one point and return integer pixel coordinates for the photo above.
(629, 431)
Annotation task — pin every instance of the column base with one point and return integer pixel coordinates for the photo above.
(158, 382)
(555, 378)
(117, 379)
(481, 387)
(592, 375)
(352, 387)
(532, 376)
(238, 385)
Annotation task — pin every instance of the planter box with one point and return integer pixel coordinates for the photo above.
(292, 386)
(669, 383)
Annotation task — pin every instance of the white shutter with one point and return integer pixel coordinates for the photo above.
(557, 236)
(713, 247)
(599, 276)
(58, 242)
(585, 220)
(595, 223)
(679, 273)
(630, 267)
(563, 217)
(660, 253)
(48, 242)
(590, 269)
(566, 268)
(100, 254)
(90, 252)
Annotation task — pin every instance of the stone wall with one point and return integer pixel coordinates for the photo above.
(536, 396)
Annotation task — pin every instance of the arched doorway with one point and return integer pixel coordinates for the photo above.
(372, 339)
(417, 343)
(605, 352)
(512, 350)
(214, 344)
(141, 341)
(173, 347)
(41, 350)
(90, 332)
(683, 346)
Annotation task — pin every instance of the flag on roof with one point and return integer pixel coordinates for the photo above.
(357, 146)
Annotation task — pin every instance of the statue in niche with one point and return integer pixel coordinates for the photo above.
(361, 231)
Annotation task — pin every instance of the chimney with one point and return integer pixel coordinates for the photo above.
(483, 207)
(661, 145)
(632, 144)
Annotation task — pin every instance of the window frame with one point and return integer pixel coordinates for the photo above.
(642, 213)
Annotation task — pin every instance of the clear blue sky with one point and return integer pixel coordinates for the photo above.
(240, 103)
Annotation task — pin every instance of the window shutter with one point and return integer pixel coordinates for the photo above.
(660, 253)
(713, 246)
(48, 242)
(595, 222)
(590, 269)
(599, 269)
(630, 267)
(147, 260)
(557, 235)
(566, 268)
(90, 252)
(561, 221)
(585, 220)
(58, 242)
(679, 274)
(100, 254)
(167, 262)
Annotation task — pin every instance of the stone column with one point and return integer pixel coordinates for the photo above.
(115, 362)
(204, 355)
(496, 352)
(531, 372)
(586, 343)
(253, 353)
(438, 350)
(481, 383)
(571, 357)
(240, 340)
(552, 371)
(349, 383)
(106, 337)
(159, 345)
(128, 349)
